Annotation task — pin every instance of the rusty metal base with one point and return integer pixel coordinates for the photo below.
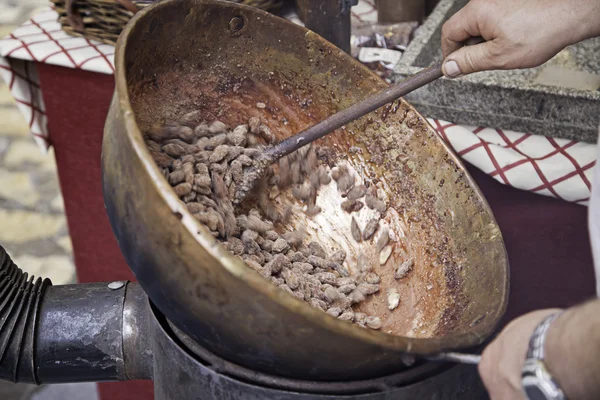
(180, 373)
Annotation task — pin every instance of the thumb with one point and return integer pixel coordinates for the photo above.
(469, 59)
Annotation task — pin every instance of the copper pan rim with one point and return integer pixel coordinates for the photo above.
(236, 269)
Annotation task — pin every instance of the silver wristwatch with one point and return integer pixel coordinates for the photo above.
(537, 382)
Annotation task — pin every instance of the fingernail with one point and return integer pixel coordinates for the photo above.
(452, 69)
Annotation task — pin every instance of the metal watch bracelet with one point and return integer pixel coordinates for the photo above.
(538, 383)
(538, 338)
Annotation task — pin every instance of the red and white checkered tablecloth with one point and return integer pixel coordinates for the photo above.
(41, 39)
(553, 167)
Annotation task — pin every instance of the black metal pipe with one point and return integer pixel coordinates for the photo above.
(79, 335)
(93, 332)
(72, 333)
(137, 337)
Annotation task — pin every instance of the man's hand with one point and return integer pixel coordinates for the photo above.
(518, 33)
(503, 359)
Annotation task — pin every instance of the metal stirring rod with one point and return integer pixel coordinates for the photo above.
(336, 121)
(330, 124)
(461, 358)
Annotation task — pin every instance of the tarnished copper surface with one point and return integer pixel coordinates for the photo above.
(223, 58)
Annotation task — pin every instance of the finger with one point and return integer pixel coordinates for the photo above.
(453, 36)
(469, 59)
(460, 27)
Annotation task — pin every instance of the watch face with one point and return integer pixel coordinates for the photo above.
(534, 393)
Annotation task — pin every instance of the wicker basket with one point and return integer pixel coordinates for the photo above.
(103, 20)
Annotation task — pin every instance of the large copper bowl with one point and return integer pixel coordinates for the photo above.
(223, 58)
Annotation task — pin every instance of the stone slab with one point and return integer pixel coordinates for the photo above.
(520, 100)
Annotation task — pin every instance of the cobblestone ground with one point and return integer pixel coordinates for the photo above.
(32, 221)
(34, 230)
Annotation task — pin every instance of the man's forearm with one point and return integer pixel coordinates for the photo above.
(572, 351)
(587, 15)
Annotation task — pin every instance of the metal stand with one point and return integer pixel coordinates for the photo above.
(108, 331)
(182, 372)
(331, 20)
